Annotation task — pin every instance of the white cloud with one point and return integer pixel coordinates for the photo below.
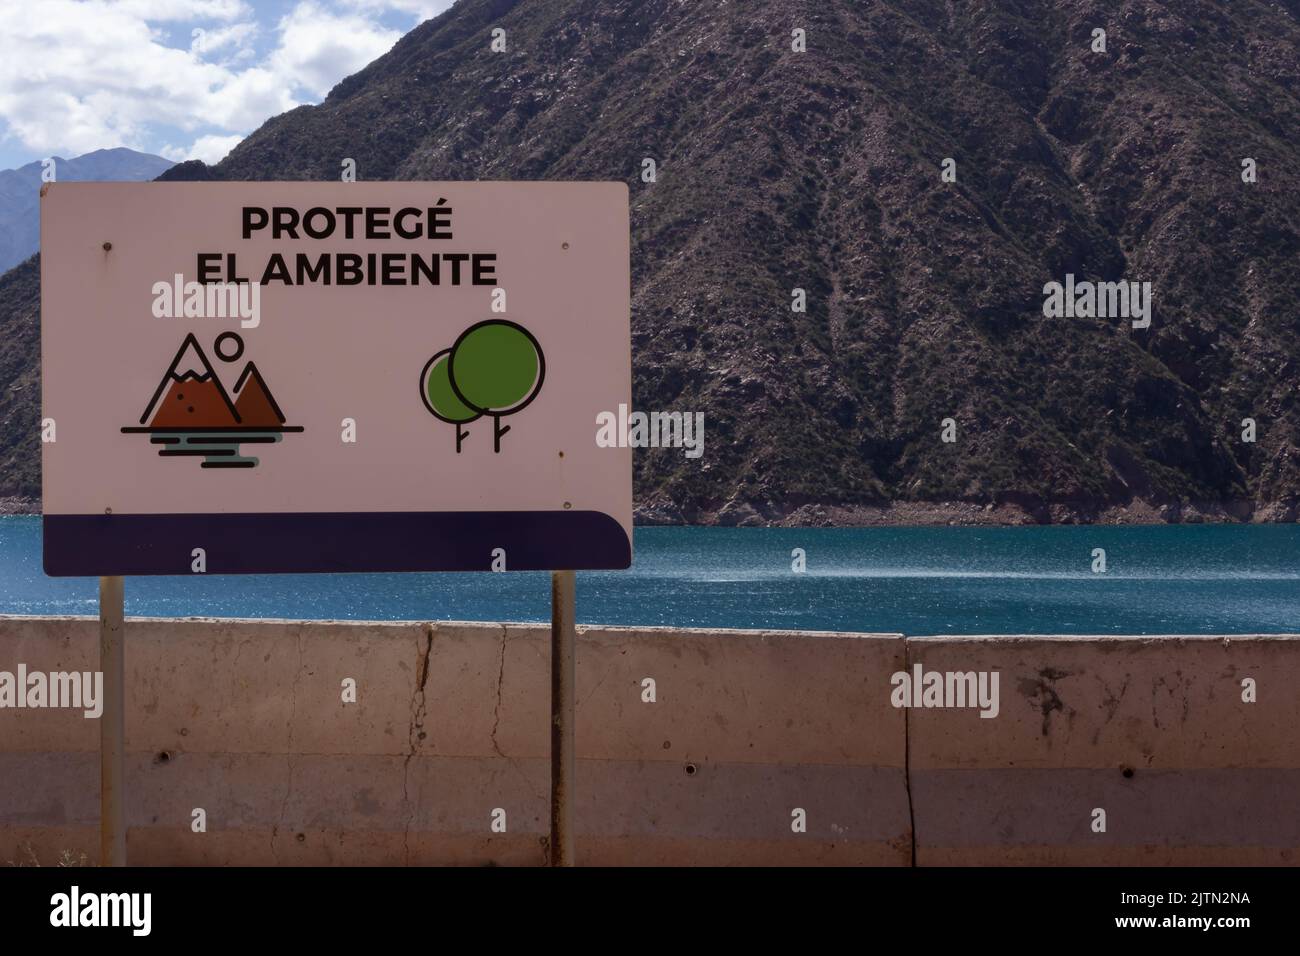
(183, 9)
(205, 42)
(318, 48)
(210, 149)
(88, 74)
(421, 9)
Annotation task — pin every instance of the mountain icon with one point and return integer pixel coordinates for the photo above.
(192, 414)
(254, 404)
(190, 394)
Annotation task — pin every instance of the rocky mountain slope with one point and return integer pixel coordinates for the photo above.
(821, 170)
(20, 383)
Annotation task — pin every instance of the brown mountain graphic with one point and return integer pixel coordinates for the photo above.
(192, 416)
(193, 404)
(254, 403)
(190, 394)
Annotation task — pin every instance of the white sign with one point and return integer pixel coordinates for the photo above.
(296, 377)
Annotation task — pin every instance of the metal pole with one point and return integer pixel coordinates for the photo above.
(564, 640)
(112, 724)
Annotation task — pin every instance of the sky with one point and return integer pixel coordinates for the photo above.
(184, 79)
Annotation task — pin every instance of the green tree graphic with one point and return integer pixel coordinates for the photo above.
(494, 369)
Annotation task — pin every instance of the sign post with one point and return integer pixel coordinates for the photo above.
(564, 654)
(112, 724)
(262, 378)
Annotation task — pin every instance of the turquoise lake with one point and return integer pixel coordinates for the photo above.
(1188, 579)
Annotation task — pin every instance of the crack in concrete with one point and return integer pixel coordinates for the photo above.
(415, 732)
(511, 762)
(239, 649)
(496, 711)
(907, 755)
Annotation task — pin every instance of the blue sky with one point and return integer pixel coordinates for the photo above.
(180, 78)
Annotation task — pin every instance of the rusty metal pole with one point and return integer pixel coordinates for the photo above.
(112, 724)
(564, 653)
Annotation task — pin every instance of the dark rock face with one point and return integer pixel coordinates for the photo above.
(20, 380)
(779, 170)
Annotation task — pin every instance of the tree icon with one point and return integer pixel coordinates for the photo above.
(494, 369)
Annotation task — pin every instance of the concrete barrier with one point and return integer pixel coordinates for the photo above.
(1153, 731)
(748, 732)
(449, 733)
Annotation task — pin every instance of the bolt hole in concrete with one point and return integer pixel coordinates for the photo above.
(164, 756)
(302, 838)
(691, 769)
(1128, 773)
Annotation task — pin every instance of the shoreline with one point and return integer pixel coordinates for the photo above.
(921, 514)
(973, 514)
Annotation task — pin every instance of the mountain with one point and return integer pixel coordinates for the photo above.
(254, 402)
(821, 170)
(20, 382)
(20, 210)
(190, 394)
